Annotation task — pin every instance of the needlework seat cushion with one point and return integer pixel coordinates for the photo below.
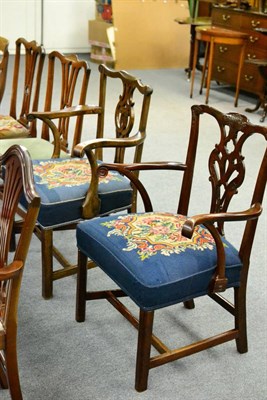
(10, 128)
(146, 255)
(62, 185)
(37, 147)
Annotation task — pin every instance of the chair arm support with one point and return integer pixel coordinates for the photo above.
(91, 204)
(10, 271)
(129, 170)
(219, 281)
(87, 146)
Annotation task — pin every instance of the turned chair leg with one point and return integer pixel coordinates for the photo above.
(47, 263)
(241, 320)
(143, 349)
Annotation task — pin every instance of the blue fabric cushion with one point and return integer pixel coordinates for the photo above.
(146, 255)
(62, 185)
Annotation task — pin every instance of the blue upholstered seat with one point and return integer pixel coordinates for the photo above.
(146, 255)
(62, 185)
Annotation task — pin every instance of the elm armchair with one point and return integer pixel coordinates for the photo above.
(18, 180)
(160, 258)
(69, 189)
(72, 76)
(26, 84)
(4, 56)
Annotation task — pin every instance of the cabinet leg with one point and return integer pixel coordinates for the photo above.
(259, 102)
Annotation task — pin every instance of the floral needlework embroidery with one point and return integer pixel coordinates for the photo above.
(154, 233)
(67, 173)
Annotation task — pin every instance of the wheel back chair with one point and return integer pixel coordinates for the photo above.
(4, 53)
(68, 188)
(72, 76)
(26, 84)
(159, 259)
(15, 164)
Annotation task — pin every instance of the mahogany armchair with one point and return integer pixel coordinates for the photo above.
(4, 56)
(27, 74)
(160, 259)
(68, 188)
(15, 164)
(72, 76)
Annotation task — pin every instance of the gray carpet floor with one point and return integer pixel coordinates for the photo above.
(60, 359)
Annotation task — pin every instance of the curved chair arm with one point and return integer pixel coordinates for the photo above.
(65, 113)
(252, 213)
(10, 271)
(129, 170)
(91, 204)
(219, 281)
(98, 143)
(48, 116)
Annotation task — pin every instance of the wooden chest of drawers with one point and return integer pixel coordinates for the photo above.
(226, 58)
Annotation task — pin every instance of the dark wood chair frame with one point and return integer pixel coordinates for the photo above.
(71, 66)
(33, 56)
(124, 122)
(18, 179)
(73, 75)
(227, 173)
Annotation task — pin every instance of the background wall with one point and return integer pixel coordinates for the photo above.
(57, 24)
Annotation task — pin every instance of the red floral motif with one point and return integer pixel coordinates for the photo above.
(154, 233)
(68, 173)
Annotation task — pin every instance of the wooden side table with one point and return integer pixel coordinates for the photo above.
(193, 22)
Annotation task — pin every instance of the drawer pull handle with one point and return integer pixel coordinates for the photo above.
(220, 69)
(251, 56)
(253, 39)
(226, 17)
(254, 24)
(223, 49)
(249, 78)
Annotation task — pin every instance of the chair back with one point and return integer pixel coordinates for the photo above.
(124, 113)
(72, 76)
(28, 68)
(4, 53)
(16, 171)
(16, 168)
(227, 168)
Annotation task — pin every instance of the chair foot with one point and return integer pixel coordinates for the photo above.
(189, 304)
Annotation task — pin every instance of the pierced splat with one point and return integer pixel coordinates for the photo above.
(33, 67)
(226, 162)
(226, 168)
(124, 114)
(71, 69)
